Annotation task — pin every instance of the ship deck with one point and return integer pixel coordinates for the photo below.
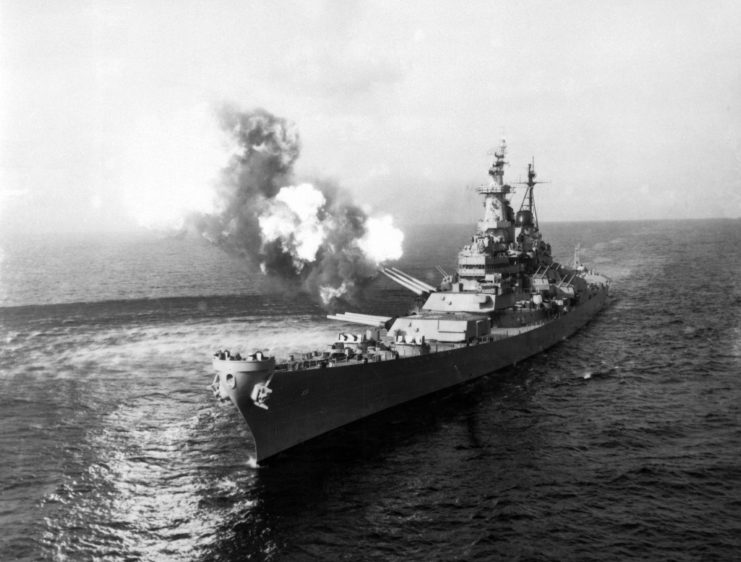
(327, 360)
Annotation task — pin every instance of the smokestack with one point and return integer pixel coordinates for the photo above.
(309, 236)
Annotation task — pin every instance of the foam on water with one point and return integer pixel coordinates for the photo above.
(621, 442)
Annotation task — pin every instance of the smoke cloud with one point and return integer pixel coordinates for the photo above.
(306, 236)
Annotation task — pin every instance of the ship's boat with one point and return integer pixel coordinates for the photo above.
(507, 300)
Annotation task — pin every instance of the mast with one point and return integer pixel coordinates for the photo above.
(529, 239)
(527, 216)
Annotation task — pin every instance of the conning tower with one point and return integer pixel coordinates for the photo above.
(483, 262)
(496, 269)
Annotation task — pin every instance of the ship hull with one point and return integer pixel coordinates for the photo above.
(306, 404)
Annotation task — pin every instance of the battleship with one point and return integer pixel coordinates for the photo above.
(507, 300)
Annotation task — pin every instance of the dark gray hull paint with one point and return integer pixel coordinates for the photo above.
(306, 404)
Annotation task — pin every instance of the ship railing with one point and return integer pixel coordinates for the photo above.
(325, 362)
(301, 365)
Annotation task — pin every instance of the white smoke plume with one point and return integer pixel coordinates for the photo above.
(293, 219)
(308, 236)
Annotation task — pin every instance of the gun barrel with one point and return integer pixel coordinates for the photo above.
(365, 319)
(413, 280)
(401, 281)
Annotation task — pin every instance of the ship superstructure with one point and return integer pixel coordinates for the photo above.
(494, 262)
(507, 300)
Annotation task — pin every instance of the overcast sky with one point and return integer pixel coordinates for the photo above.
(632, 109)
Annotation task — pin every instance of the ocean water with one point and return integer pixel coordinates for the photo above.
(622, 442)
